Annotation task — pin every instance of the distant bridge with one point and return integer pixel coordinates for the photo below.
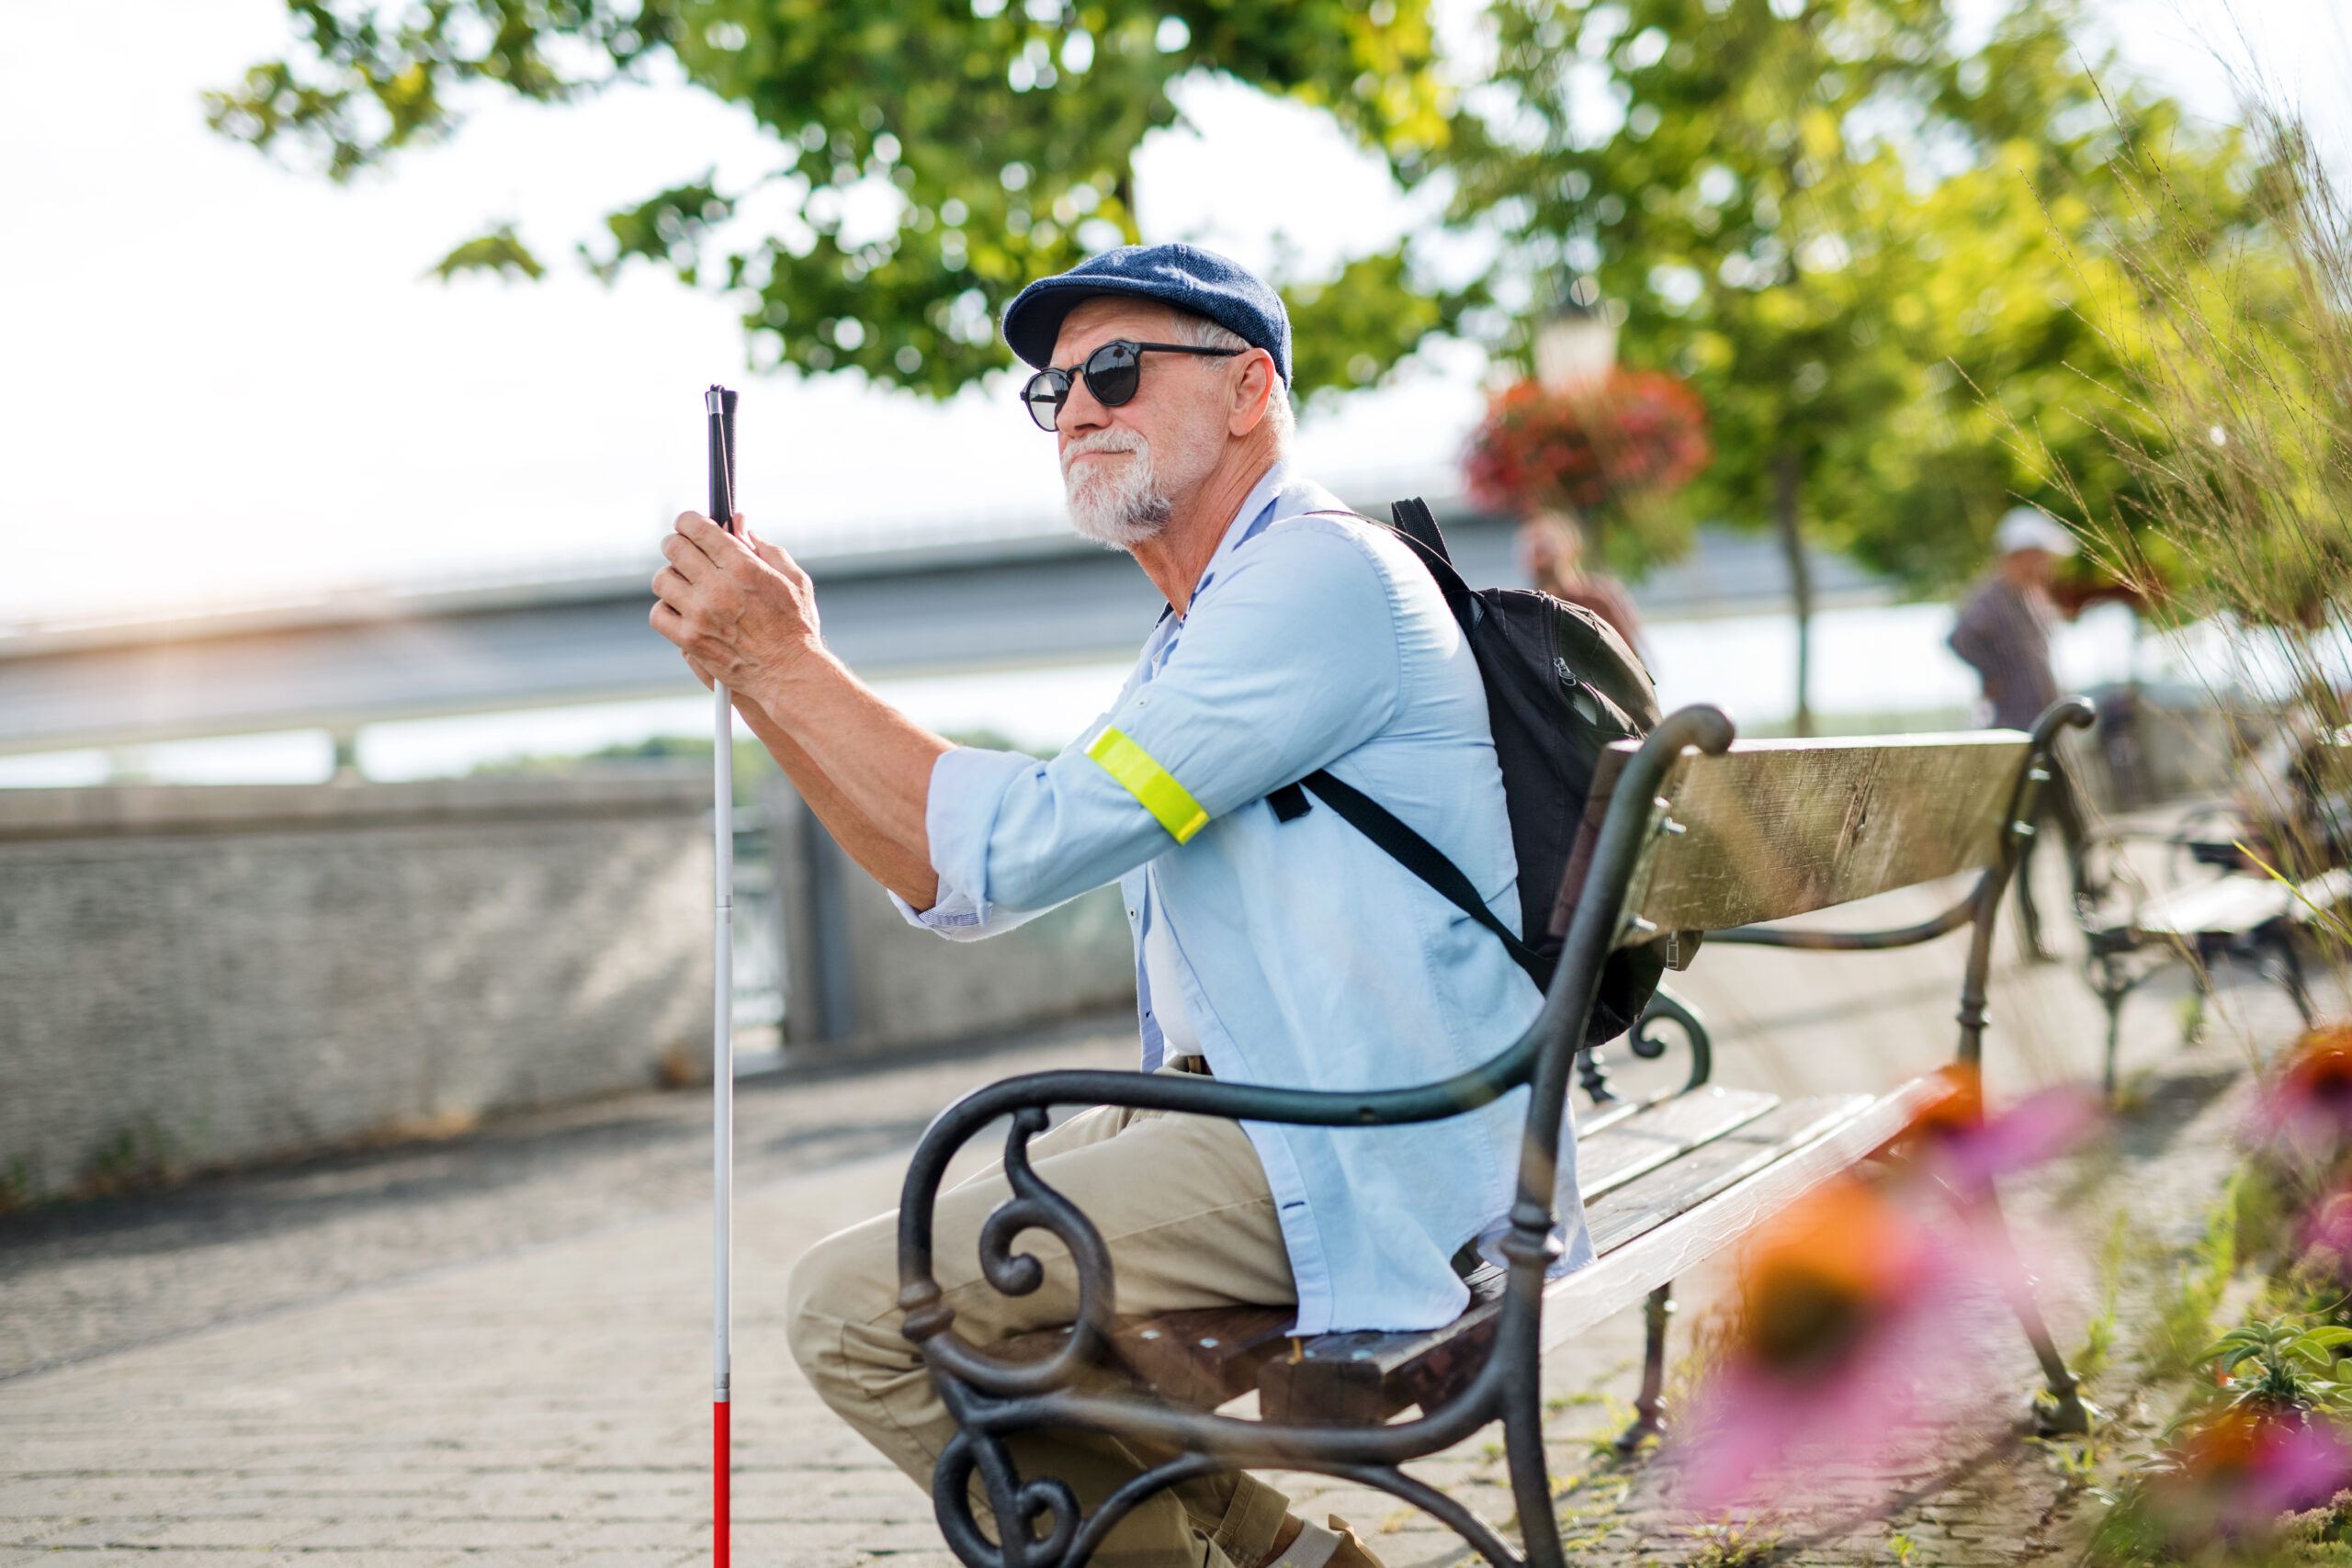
(346, 662)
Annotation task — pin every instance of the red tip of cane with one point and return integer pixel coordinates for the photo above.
(720, 1465)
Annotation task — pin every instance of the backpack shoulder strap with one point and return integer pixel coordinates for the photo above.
(1417, 523)
(1421, 858)
(1418, 529)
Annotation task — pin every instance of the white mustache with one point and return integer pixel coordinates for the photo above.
(1100, 441)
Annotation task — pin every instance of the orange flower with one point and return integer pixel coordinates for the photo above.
(1824, 1271)
(2317, 1081)
(2306, 1109)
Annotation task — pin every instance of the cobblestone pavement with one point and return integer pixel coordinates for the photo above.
(86, 1279)
(495, 1349)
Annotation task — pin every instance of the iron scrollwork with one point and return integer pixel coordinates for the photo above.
(1643, 1041)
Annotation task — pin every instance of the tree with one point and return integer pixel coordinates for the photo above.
(995, 142)
(1864, 247)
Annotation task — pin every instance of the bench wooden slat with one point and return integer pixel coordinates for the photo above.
(1665, 1130)
(1661, 1173)
(2330, 892)
(1357, 1378)
(1202, 1358)
(1339, 1379)
(1199, 1358)
(1616, 1217)
(1643, 1263)
(1776, 828)
(1594, 1119)
(2236, 905)
(2230, 907)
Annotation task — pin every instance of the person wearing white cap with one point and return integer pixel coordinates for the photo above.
(2004, 632)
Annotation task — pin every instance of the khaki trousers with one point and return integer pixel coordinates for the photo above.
(1182, 1204)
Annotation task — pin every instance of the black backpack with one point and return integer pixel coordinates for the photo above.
(1561, 685)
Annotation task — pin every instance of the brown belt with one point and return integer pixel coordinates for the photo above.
(1198, 1066)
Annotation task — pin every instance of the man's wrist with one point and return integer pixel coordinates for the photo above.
(782, 689)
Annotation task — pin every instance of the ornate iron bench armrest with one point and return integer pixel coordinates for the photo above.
(991, 1397)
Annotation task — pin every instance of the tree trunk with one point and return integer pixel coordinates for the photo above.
(1785, 480)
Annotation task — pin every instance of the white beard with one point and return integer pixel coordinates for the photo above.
(1117, 504)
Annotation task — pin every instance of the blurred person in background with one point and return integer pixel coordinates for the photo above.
(1551, 551)
(2004, 633)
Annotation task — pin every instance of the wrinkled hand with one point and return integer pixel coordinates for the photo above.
(739, 609)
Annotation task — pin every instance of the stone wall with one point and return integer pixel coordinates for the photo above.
(198, 975)
(193, 976)
(863, 980)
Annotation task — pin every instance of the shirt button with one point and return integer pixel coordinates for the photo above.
(1131, 914)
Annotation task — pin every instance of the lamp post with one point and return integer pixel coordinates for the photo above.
(1576, 346)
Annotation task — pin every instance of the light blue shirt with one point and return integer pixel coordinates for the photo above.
(1304, 954)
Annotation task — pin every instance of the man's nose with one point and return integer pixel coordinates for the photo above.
(1081, 411)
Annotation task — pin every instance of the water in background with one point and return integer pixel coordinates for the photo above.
(1881, 668)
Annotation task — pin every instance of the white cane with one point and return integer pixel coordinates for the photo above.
(720, 403)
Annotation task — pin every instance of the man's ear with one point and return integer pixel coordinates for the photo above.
(1252, 392)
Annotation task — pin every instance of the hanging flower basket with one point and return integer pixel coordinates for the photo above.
(1640, 432)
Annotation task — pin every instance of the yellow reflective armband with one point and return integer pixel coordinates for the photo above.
(1150, 784)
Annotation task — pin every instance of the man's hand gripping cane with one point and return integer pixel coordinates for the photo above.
(743, 611)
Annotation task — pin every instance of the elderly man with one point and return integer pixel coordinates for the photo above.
(1269, 950)
(2002, 631)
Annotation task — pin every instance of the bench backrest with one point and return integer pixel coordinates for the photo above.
(1771, 829)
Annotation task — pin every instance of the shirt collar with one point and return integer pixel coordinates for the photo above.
(1281, 492)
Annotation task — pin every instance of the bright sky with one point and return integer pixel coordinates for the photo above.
(226, 381)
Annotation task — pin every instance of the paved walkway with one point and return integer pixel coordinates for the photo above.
(495, 1350)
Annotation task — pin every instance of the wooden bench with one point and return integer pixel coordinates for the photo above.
(2243, 913)
(1686, 834)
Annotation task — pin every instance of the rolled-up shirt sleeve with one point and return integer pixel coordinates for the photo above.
(966, 785)
(1286, 663)
(958, 917)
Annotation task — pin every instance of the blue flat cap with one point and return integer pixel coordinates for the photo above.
(1186, 276)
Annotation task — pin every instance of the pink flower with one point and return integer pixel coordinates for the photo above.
(1866, 1311)
(1852, 1325)
(2326, 1228)
(2235, 1474)
(2308, 1106)
(1960, 1145)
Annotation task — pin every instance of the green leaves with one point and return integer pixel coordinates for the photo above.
(667, 228)
(371, 79)
(2278, 1364)
(930, 157)
(498, 251)
(1351, 331)
(1866, 249)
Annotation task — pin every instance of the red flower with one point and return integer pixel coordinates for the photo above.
(1642, 431)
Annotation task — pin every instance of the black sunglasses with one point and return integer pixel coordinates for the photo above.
(1112, 374)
